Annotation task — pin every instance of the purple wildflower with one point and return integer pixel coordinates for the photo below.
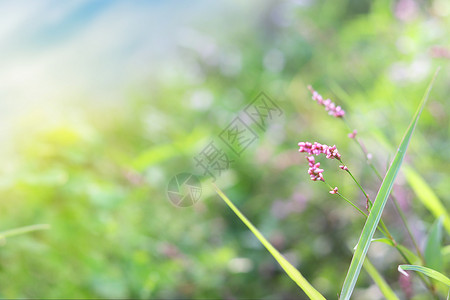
(330, 107)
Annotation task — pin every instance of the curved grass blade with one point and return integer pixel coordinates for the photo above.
(380, 201)
(421, 188)
(379, 280)
(445, 251)
(427, 196)
(288, 268)
(433, 255)
(22, 230)
(424, 270)
(413, 258)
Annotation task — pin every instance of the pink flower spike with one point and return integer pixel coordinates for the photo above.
(334, 191)
(343, 167)
(331, 107)
(353, 134)
(315, 172)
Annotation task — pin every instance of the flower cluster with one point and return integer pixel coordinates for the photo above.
(332, 109)
(334, 191)
(317, 148)
(314, 169)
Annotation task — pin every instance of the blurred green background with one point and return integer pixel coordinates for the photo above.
(103, 102)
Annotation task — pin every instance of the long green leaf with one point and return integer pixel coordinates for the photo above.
(421, 188)
(22, 230)
(427, 196)
(379, 280)
(380, 201)
(413, 258)
(427, 271)
(288, 268)
(445, 251)
(433, 255)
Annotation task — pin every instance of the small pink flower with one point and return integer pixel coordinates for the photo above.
(334, 191)
(339, 112)
(330, 107)
(353, 134)
(343, 167)
(314, 169)
(332, 152)
(317, 148)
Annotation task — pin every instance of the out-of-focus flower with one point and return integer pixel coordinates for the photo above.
(440, 52)
(406, 10)
(406, 285)
(330, 107)
(353, 134)
(334, 191)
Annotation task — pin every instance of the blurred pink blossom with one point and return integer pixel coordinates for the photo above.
(330, 107)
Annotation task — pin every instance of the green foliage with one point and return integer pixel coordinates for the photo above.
(388, 293)
(380, 201)
(433, 255)
(96, 170)
(427, 271)
(288, 268)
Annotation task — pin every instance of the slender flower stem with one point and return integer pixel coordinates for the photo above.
(383, 231)
(368, 202)
(331, 152)
(426, 281)
(394, 199)
(405, 222)
(350, 202)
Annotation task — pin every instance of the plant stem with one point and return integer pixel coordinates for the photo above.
(394, 199)
(427, 283)
(356, 207)
(385, 231)
(368, 202)
(402, 216)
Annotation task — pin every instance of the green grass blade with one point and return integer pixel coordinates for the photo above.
(423, 191)
(426, 271)
(445, 251)
(288, 268)
(433, 255)
(413, 258)
(380, 201)
(379, 281)
(22, 230)
(427, 196)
